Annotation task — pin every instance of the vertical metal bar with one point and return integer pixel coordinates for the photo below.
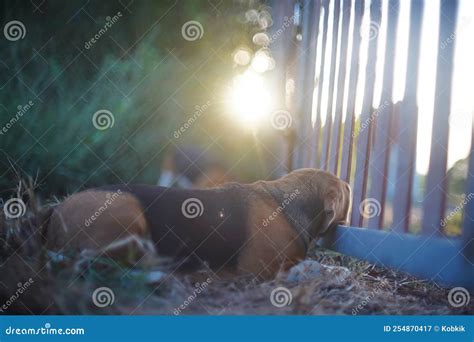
(332, 78)
(317, 125)
(363, 146)
(381, 146)
(468, 220)
(341, 82)
(408, 124)
(315, 121)
(281, 47)
(346, 161)
(435, 200)
(305, 80)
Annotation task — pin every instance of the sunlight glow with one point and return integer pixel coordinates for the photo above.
(249, 98)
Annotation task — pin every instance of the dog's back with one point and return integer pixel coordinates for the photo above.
(182, 223)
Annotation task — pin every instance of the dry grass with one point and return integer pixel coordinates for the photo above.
(66, 286)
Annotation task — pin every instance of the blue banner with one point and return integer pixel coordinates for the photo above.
(235, 328)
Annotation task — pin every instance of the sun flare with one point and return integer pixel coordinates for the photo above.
(249, 98)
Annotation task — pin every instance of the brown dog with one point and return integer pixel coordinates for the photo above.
(258, 228)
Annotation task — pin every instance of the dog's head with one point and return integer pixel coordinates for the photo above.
(329, 197)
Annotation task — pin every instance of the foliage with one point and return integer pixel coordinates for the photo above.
(141, 69)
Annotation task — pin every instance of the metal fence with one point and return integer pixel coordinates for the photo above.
(362, 157)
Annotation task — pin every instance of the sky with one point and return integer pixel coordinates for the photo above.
(462, 95)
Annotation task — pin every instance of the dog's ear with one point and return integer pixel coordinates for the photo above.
(329, 214)
(336, 206)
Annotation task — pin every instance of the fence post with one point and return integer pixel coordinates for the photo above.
(435, 198)
(305, 81)
(408, 124)
(363, 145)
(280, 47)
(346, 160)
(341, 82)
(317, 125)
(382, 121)
(468, 220)
(332, 78)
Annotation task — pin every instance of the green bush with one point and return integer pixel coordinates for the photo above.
(141, 70)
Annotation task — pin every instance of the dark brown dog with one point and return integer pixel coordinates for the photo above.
(257, 228)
